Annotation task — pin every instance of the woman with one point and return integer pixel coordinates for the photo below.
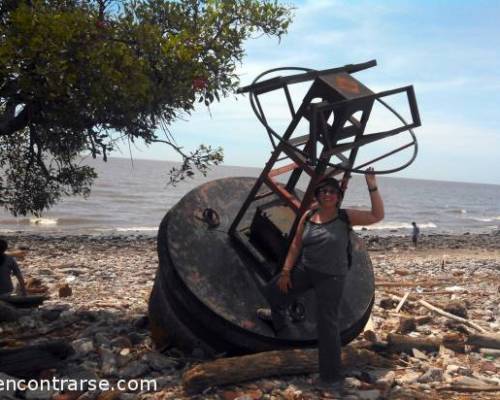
(318, 259)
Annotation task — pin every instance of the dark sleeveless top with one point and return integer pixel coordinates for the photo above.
(324, 246)
(8, 266)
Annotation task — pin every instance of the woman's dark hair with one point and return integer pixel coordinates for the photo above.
(3, 246)
(328, 182)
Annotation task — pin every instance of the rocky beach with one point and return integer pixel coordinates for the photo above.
(98, 288)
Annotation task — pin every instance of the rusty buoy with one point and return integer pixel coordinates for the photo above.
(226, 239)
(207, 287)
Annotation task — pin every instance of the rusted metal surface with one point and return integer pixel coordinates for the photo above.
(337, 107)
(208, 287)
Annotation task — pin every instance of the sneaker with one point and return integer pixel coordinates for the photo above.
(265, 314)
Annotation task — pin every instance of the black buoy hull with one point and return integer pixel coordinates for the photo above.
(207, 287)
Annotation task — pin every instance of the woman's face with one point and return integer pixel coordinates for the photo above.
(328, 196)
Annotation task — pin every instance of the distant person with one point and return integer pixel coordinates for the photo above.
(415, 234)
(8, 266)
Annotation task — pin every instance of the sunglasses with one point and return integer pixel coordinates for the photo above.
(327, 191)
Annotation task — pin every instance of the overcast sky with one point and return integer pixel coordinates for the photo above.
(448, 50)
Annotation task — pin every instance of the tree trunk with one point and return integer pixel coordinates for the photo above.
(283, 362)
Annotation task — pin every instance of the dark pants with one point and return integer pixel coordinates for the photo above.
(328, 289)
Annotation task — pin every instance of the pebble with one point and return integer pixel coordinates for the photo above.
(125, 352)
(386, 380)
(120, 342)
(408, 378)
(7, 390)
(353, 383)
(133, 370)
(83, 346)
(39, 394)
(372, 394)
(108, 362)
(432, 375)
(159, 362)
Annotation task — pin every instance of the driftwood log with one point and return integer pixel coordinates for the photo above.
(451, 316)
(445, 314)
(28, 361)
(402, 302)
(283, 362)
(469, 389)
(406, 325)
(425, 283)
(58, 325)
(24, 301)
(8, 313)
(402, 343)
(490, 352)
(488, 341)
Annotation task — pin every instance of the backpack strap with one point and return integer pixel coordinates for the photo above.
(310, 213)
(343, 216)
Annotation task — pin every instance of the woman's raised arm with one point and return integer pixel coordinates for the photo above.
(376, 214)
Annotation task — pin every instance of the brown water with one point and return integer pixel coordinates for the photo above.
(134, 198)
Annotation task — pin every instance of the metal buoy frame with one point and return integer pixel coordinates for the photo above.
(224, 240)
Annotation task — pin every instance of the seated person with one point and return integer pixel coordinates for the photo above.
(8, 266)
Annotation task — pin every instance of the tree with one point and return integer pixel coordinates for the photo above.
(81, 76)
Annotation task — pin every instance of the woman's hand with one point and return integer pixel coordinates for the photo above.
(371, 180)
(284, 282)
(376, 214)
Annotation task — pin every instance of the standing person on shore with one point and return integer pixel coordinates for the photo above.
(415, 234)
(319, 258)
(8, 266)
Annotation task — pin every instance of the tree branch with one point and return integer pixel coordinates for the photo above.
(175, 147)
(39, 157)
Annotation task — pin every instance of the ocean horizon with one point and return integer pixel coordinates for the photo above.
(133, 196)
